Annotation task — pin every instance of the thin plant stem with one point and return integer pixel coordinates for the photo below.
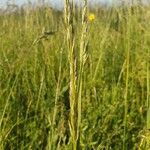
(70, 39)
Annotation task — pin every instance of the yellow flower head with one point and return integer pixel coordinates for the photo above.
(91, 17)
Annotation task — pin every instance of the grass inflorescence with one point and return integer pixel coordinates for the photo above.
(77, 78)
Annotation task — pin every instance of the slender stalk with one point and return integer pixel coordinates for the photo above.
(82, 60)
(127, 77)
(148, 92)
(72, 62)
(148, 102)
(56, 98)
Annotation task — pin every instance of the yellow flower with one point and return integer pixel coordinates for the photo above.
(91, 17)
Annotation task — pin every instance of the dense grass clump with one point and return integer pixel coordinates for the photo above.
(72, 82)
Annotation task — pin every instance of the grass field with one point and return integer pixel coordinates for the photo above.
(75, 79)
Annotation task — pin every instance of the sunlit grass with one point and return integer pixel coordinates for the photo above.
(81, 83)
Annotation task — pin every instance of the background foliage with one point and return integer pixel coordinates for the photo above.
(34, 74)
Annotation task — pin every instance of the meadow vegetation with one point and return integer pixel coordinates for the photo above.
(69, 82)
